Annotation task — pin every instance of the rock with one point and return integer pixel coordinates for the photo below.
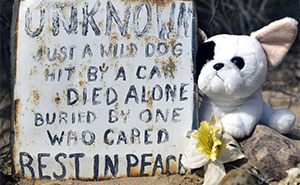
(293, 177)
(236, 177)
(271, 152)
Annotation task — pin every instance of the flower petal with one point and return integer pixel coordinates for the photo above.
(214, 121)
(230, 150)
(190, 133)
(214, 173)
(192, 158)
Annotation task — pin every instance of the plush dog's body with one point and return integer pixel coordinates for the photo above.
(233, 68)
(240, 117)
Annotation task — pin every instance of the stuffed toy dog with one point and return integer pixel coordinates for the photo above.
(231, 71)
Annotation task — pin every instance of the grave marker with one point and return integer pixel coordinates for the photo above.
(102, 88)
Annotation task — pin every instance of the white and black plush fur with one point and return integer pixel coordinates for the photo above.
(232, 69)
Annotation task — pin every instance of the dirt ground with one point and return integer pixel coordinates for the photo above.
(192, 179)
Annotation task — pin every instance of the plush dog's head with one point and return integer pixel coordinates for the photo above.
(234, 67)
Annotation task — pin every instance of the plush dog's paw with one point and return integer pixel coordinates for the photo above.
(233, 125)
(238, 125)
(282, 120)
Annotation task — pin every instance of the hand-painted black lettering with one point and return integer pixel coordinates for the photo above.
(81, 116)
(159, 91)
(84, 95)
(96, 167)
(53, 56)
(87, 50)
(147, 135)
(138, 71)
(144, 100)
(111, 13)
(39, 55)
(106, 139)
(85, 134)
(48, 121)
(182, 91)
(62, 117)
(144, 164)
(130, 163)
(103, 69)
(54, 139)
(162, 48)
(58, 15)
(121, 74)
(41, 166)
(135, 136)
(150, 49)
(77, 163)
(122, 137)
(132, 93)
(136, 17)
(184, 19)
(72, 135)
(154, 71)
(125, 115)
(95, 95)
(177, 49)
(159, 113)
(59, 74)
(28, 22)
(112, 116)
(181, 170)
(62, 56)
(70, 70)
(169, 69)
(71, 52)
(170, 92)
(176, 114)
(133, 49)
(114, 167)
(164, 32)
(162, 136)
(168, 159)
(115, 50)
(147, 114)
(38, 119)
(88, 18)
(108, 53)
(158, 164)
(70, 100)
(63, 168)
(92, 73)
(111, 96)
(27, 165)
(51, 75)
(91, 117)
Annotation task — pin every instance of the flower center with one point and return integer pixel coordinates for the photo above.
(208, 142)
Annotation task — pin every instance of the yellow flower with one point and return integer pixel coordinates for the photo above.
(208, 143)
(210, 147)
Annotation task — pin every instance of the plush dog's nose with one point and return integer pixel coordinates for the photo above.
(218, 66)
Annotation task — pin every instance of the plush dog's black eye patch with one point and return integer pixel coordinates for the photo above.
(206, 52)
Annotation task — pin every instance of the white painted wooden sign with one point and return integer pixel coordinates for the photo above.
(102, 88)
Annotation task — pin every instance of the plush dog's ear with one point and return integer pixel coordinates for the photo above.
(206, 48)
(201, 36)
(276, 39)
